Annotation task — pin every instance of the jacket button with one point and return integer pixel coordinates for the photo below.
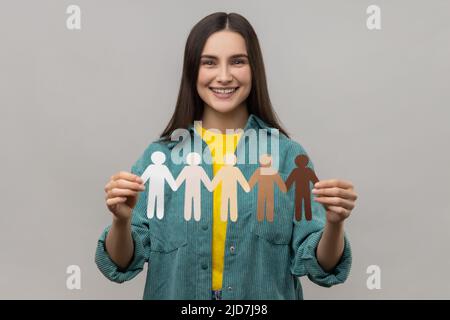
(230, 288)
(232, 249)
(204, 266)
(205, 227)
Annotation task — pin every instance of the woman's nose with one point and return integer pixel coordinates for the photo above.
(224, 74)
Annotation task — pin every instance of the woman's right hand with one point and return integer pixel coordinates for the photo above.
(122, 192)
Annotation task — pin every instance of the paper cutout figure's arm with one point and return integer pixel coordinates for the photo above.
(254, 179)
(314, 178)
(216, 180)
(147, 173)
(181, 177)
(280, 183)
(241, 179)
(205, 179)
(169, 178)
(290, 180)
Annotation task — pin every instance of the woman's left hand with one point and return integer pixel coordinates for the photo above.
(337, 196)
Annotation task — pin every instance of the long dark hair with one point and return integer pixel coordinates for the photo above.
(189, 105)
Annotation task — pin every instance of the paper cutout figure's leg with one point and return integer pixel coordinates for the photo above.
(260, 201)
(224, 207)
(233, 209)
(197, 208)
(187, 207)
(269, 205)
(260, 207)
(151, 204)
(298, 208)
(160, 205)
(226, 199)
(308, 213)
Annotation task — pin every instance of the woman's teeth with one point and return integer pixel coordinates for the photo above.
(224, 91)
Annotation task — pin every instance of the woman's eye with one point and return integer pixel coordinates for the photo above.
(210, 62)
(239, 61)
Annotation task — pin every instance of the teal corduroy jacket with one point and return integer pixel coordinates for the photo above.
(263, 260)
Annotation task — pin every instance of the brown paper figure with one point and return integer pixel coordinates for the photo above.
(193, 175)
(229, 176)
(301, 176)
(265, 177)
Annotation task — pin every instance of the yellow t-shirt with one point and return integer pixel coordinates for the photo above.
(220, 145)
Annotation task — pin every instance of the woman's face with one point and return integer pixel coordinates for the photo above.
(224, 78)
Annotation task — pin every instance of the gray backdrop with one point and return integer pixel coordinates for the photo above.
(368, 106)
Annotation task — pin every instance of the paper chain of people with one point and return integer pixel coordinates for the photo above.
(229, 176)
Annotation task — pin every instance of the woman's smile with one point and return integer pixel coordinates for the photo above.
(223, 93)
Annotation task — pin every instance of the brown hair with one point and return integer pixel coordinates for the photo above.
(189, 106)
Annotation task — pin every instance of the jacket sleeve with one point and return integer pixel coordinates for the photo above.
(305, 239)
(139, 232)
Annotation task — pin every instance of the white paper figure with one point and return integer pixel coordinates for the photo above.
(157, 173)
(229, 176)
(193, 174)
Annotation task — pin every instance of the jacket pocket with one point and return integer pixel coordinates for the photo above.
(278, 232)
(169, 233)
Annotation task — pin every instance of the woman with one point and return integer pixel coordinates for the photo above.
(224, 85)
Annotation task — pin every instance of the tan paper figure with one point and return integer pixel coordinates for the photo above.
(301, 176)
(229, 176)
(265, 177)
(157, 174)
(193, 174)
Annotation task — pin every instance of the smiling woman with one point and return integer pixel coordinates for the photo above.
(224, 86)
(223, 78)
(224, 74)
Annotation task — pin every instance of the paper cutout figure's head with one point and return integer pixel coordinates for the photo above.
(158, 157)
(265, 160)
(193, 159)
(301, 160)
(230, 159)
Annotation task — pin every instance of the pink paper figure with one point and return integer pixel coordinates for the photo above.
(301, 176)
(266, 177)
(157, 173)
(193, 174)
(229, 176)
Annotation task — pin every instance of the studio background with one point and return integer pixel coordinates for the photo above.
(369, 106)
